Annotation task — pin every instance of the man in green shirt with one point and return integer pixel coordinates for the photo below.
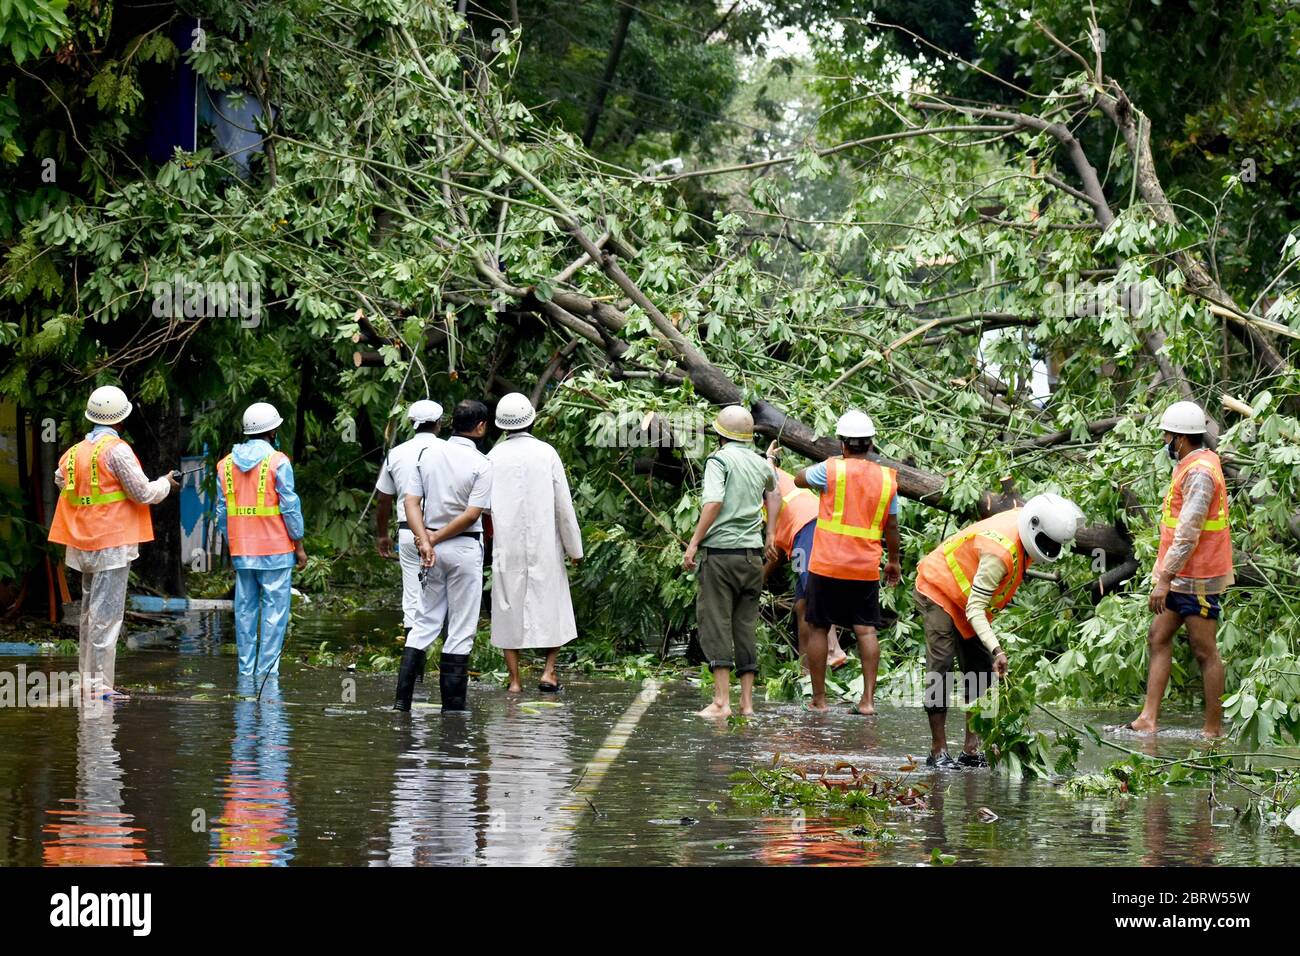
(732, 543)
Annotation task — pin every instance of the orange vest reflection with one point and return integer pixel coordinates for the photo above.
(93, 830)
(257, 826)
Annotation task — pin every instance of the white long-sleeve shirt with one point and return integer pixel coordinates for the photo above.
(987, 580)
(1198, 494)
(120, 462)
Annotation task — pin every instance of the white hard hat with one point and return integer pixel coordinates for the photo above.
(107, 405)
(260, 418)
(425, 410)
(1183, 418)
(1047, 524)
(855, 424)
(514, 412)
(735, 422)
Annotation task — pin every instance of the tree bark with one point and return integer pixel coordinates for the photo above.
(159, 444)
(597, 107)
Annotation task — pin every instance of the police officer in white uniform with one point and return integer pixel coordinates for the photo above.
(398, 467)
(445, 501)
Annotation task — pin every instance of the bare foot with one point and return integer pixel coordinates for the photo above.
(865, 709)
(1141, 725)
(819, 706)
(1212, 733)
(747, 711)
(514, 688)
(834, 660)
(715, 710)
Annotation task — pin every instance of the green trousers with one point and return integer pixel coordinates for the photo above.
(727, 608)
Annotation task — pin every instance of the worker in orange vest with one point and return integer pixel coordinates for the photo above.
(793, 537)
(103, 516)
(959, 586)
(857, 511)
(259, 512)
(1193, 567)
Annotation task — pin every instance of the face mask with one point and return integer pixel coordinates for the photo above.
(1172, 450)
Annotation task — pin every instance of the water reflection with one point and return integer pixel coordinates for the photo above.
(257, 826)
(492, 786)
(528, 782)
(436, 817)
(93, 829)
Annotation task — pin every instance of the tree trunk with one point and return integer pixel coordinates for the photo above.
(159, 444)
(597, 107)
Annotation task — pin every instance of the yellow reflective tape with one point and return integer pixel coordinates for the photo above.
(1211, 524)
(260, 510)
(963, 582)
(95, 497)
(836, 524)
(949, 554)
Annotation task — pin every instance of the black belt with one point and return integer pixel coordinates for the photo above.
(403, 526)
(755, 552)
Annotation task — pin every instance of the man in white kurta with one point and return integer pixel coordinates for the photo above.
(533, 527)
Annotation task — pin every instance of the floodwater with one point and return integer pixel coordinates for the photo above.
(608, 773)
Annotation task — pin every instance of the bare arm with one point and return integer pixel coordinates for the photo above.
(708, 514)
(894, 562)
(383, 512)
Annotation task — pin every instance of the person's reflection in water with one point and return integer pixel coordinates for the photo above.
(435, 810)
(529, 780)
(92, 829)
(257, 826)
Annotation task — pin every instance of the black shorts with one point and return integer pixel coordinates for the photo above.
(1194, 605)
(844, 603)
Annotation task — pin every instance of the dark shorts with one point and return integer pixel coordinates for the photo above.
(800, 555)
(943, 645)
(842, 602)
(1194, 605)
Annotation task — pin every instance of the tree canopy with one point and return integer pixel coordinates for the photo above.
(1012, 232)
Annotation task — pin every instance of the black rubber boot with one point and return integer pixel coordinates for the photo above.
(412, 662)
(453, 680)
(419, 675)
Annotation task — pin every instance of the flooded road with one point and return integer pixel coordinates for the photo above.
(187, 773)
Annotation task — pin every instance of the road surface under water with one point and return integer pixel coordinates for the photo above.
(187, 773)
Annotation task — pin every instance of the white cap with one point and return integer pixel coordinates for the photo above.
(107, 405)
(514, 412)
(261, 417)
(1047, 524)
(425, 410)
(855, 424)
(1183, 418)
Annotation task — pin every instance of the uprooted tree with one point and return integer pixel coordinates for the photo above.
(1004, 300)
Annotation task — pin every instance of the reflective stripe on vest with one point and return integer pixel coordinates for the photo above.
(96, 497)
(1012, 548)
(1170, 520)
(261, 509)
(835, 524)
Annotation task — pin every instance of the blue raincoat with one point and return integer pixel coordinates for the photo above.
(263, 581)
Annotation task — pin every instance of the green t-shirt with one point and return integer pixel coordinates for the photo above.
(738, 476)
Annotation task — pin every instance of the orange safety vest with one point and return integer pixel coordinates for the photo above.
(94, 512)
(945, 574)
(798, 507)
(1212, 557)
(254, 528)
(851, 519)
